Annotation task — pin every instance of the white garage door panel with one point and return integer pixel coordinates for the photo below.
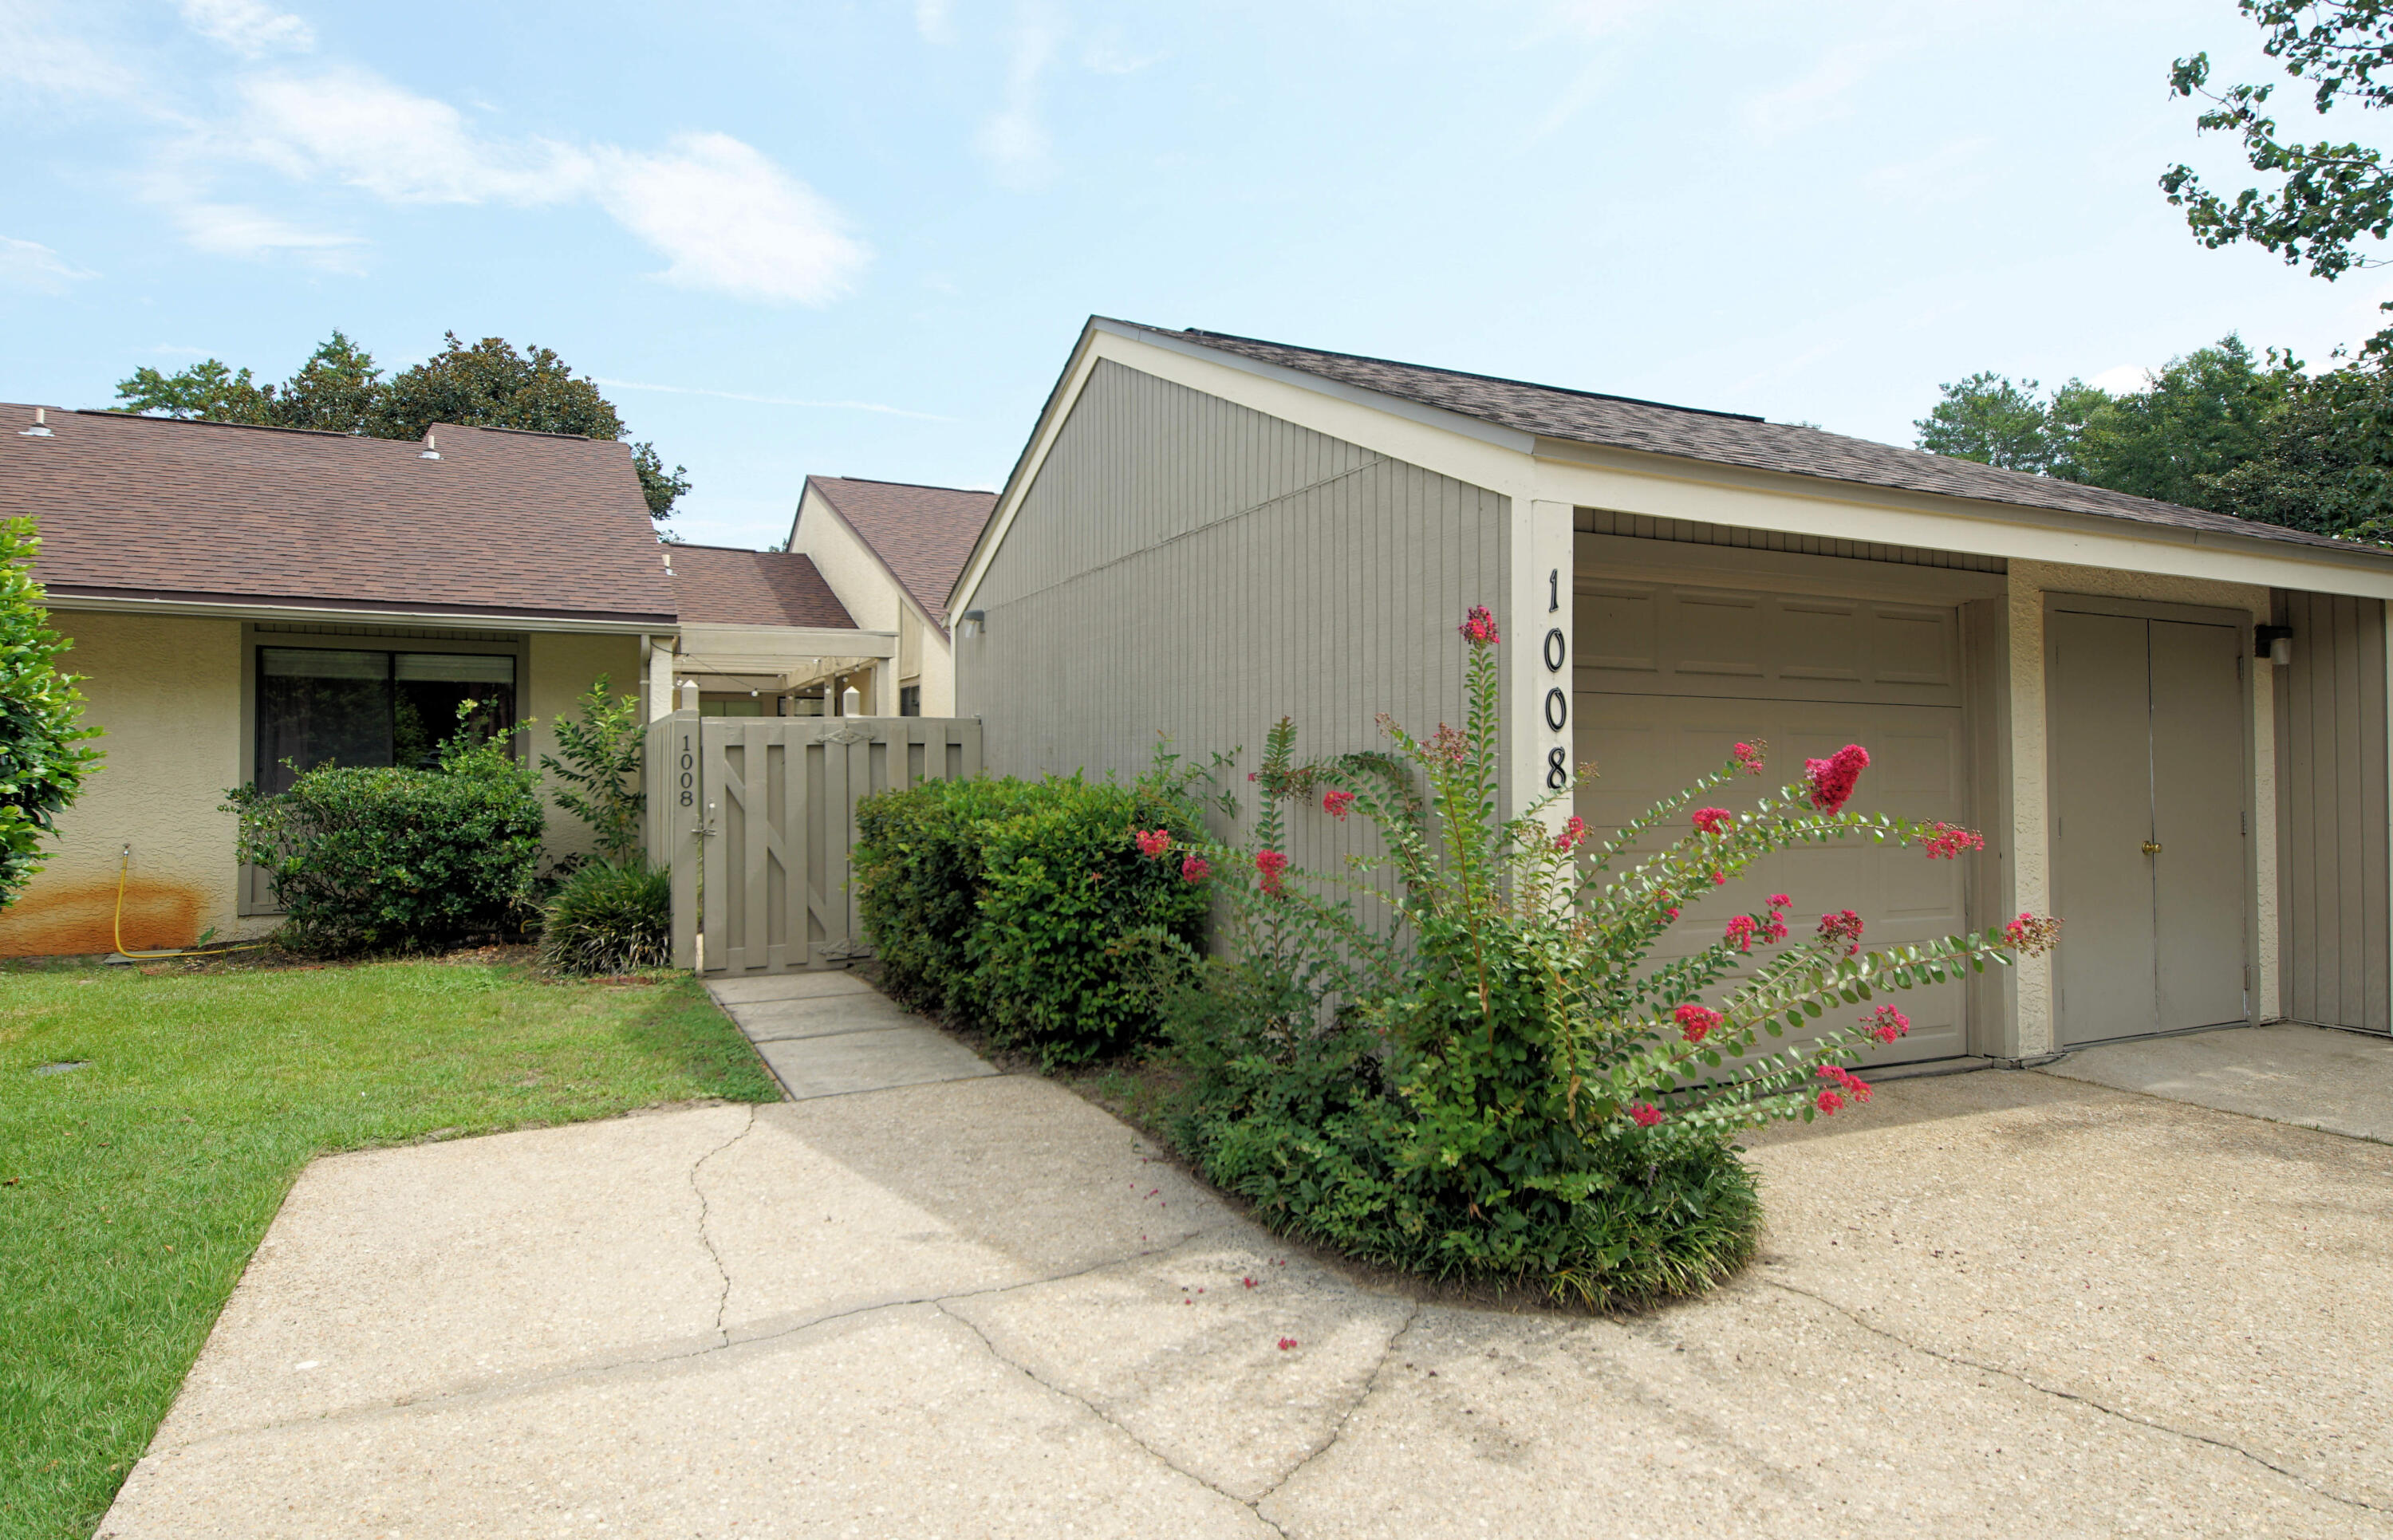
(1649, 638)
(1646, 747)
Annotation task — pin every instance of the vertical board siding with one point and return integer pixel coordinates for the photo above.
(2331, 814)
(1186, 566)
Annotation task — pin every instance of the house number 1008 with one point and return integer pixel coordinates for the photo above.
(688, 764)
(1557, 654)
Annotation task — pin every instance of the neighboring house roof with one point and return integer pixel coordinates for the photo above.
(723, 585)
(502, 522)
(922, 534)
(1722, 438)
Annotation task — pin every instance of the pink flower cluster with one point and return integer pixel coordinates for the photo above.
(1844, 1083)
(2030, 933)
(1152, 842)
(1696, 1022)
(1748, 757)
(1885, 1023)
(1645, 1115)
(1479, 627)
(1713, 820)
(1744, 930)
(1845, 926)
(1450, 744)
(1951, 839)
(1272, 863)
(1573, 833)
(1831, 779)
(1336, 804)
(1195, 869)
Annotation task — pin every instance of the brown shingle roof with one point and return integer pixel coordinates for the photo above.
(723, 585)
(1726, 439)
(921, 534)
(527, 524)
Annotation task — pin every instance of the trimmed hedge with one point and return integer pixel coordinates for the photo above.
(374, 859)
(1026, 908)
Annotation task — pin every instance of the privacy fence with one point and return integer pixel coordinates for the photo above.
(755, 817)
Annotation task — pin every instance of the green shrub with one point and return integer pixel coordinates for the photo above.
(375, 860)
(1505, 1087)
(599, 760)
(42, 759)
(609, 919)
(1028, 907)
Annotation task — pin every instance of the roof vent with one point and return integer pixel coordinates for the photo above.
(431, 447)
(41, 429)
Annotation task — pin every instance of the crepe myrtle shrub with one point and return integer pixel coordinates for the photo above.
(1026, 906)
(43, 760)
(1501, 1084)
(609, 917)
(389, 859)
(597, 766)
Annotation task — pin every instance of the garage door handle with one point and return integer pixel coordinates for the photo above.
(2152, 848)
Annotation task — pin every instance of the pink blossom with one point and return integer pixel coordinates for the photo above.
(1195, 869)
(1478, 628)
(1832, 779)
(1271, 863)
(1830, 1101)
(1572, 832)
(1696, 1022)
(1885, 1023)
(1748, 757)
(1845, 926)
(1711, 821)
(1645, 1114)
(1951, 839)
(2029, 935)
(1740, 933)
(1720, 879)
(1335, 804)
(1286, 1343)
(1152, 842)
(1773, 928)
(1672, 912)
(1780, 901)
(1846, 1082)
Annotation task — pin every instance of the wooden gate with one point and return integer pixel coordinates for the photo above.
(755, 816)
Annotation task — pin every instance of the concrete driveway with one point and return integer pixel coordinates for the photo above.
(1996, 1304)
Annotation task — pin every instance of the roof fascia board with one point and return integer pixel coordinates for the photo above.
(100, 603)
(750, 641)
(904, 595)
(1661, 486)
(1480, 453)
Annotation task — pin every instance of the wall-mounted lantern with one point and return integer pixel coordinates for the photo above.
(975, 624)
(2273, 643)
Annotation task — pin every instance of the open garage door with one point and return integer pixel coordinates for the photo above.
(1670, 674)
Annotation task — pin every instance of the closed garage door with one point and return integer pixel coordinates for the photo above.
(1669, 675)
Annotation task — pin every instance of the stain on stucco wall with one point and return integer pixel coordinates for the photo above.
(165, 692)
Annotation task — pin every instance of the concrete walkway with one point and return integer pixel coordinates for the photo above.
(1995, 1304)
(2313, 1077)
(831, 1034)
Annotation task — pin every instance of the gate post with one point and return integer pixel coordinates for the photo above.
(676, 815)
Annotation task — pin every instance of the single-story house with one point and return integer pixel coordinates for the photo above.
(240, 598)
(890, 551)
(2170, 725)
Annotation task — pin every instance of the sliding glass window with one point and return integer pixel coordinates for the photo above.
(326, 706)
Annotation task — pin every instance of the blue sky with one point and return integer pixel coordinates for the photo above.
(859, 238)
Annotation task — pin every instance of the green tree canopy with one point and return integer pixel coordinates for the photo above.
(341, 389)
(1988, 419)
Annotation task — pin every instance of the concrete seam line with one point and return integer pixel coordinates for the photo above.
(723, 1301)
(1103, 1415)
(2015, 1376)
(1370, 1383)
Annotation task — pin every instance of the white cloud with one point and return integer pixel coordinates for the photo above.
(1817, 98)
(250, 28)
(2124, 380)
(359, 128)
(935, 20)
(1014, 141)
(31, 265)
(732, 221)
(235, 230)
(37, 59)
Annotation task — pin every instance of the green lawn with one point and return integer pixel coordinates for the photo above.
(133, 1192)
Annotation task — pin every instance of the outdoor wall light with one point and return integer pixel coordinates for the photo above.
(975, 623)
(2273, 643)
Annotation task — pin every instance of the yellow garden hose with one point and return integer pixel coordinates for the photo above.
(123, 868)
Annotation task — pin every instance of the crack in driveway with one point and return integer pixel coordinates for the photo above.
(705, 1238)
(2014, 1375)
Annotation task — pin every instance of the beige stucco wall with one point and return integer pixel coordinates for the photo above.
(563, 668)
(166, 693)
(2031, 795)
